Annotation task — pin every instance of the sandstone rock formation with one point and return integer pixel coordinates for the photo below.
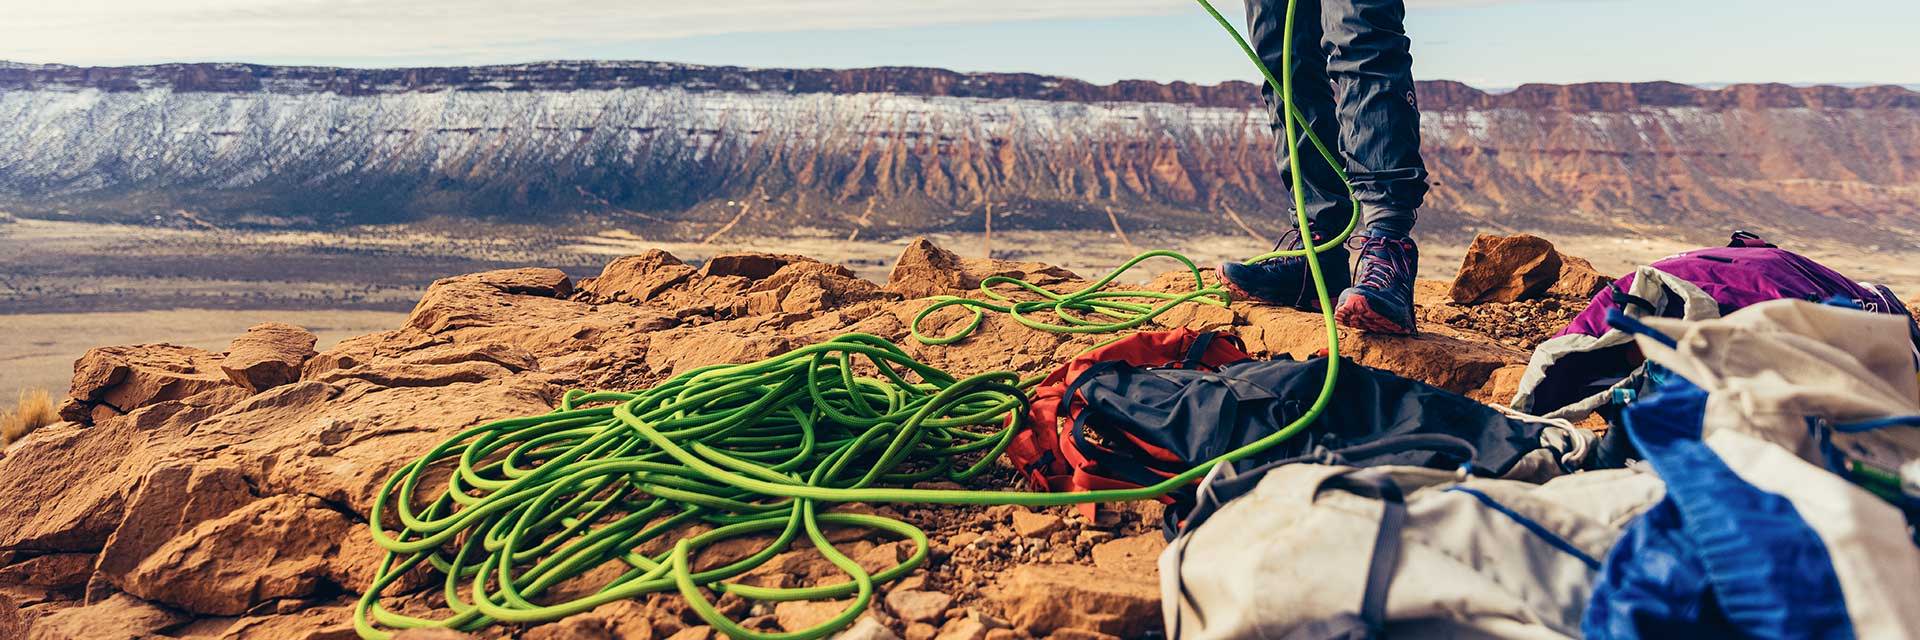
(1520, 267)
(927, 270)
(896, 151)
(180, 501)
(1506, 269)
(267, 355)
(111, 381)
(1043, 599)
(1578, 278)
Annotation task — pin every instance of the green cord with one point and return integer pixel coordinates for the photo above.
(535, 502)
(1092, 299)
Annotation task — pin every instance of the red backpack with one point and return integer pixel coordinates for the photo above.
(1058, 452)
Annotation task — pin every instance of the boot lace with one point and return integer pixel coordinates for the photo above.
(1288, 241)
(1382, 261)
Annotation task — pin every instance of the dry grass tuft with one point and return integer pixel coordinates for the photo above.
(33, 410)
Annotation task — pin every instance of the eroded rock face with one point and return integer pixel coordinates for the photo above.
(924, 269)
(797, 138)
(232, 501)
(268, 355)
(121, 617)
(22, 606)
(110, 381)
(173, 499)
(68, 484)
(277, 547)
(731, 286)
(58, 571)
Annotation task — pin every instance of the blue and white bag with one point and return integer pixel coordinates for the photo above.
(1780, 438)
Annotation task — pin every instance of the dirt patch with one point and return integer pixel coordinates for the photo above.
(1521, 325)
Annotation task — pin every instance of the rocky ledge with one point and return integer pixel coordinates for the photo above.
(224, 495)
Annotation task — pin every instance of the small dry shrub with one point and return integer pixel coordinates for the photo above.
(33, 410)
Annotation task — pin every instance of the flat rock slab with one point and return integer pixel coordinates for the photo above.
(268, 355)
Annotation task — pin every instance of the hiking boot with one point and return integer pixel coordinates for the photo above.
(1287, 281)
(1381, 300)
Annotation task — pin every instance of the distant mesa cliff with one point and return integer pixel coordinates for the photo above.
(916, 81)
(686, 149)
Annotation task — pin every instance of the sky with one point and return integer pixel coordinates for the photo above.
(1487, 43)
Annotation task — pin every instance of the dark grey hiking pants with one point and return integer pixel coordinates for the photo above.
(1358, 48)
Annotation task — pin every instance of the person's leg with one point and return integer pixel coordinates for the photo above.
(1288, 281)
(1369, 58)
(1328, 208)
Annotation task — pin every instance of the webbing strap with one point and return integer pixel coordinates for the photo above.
(1387, 543)
(1125, 467)
(1375, 484)
(1197, 352)
(1624, 299)
(1749, 239)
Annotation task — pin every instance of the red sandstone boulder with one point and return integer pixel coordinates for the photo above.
(638, 278)
(274, 548)
(1505, 269)
(110, 381)
(475, 300)
(810, 287)
(1043, 598)
(1578, 278)
(924, 269)
(1519, 267)
(268, 355)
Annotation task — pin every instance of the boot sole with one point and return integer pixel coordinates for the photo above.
(1356, 313)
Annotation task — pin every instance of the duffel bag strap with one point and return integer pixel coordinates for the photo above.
(1197, 352)
(1372, 619)
(1225, 483)
(1749, 239)
(1119, 466)
(1372, 483)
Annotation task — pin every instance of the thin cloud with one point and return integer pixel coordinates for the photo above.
(121, 31)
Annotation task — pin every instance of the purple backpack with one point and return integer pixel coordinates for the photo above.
(1582, 368)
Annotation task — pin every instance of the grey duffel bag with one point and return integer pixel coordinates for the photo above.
(1301, 551)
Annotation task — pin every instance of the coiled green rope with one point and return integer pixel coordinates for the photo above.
(1122, 314)
(532, 504)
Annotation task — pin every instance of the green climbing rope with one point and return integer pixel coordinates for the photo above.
(532, 503)
(1070, 308)
(532, 506)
